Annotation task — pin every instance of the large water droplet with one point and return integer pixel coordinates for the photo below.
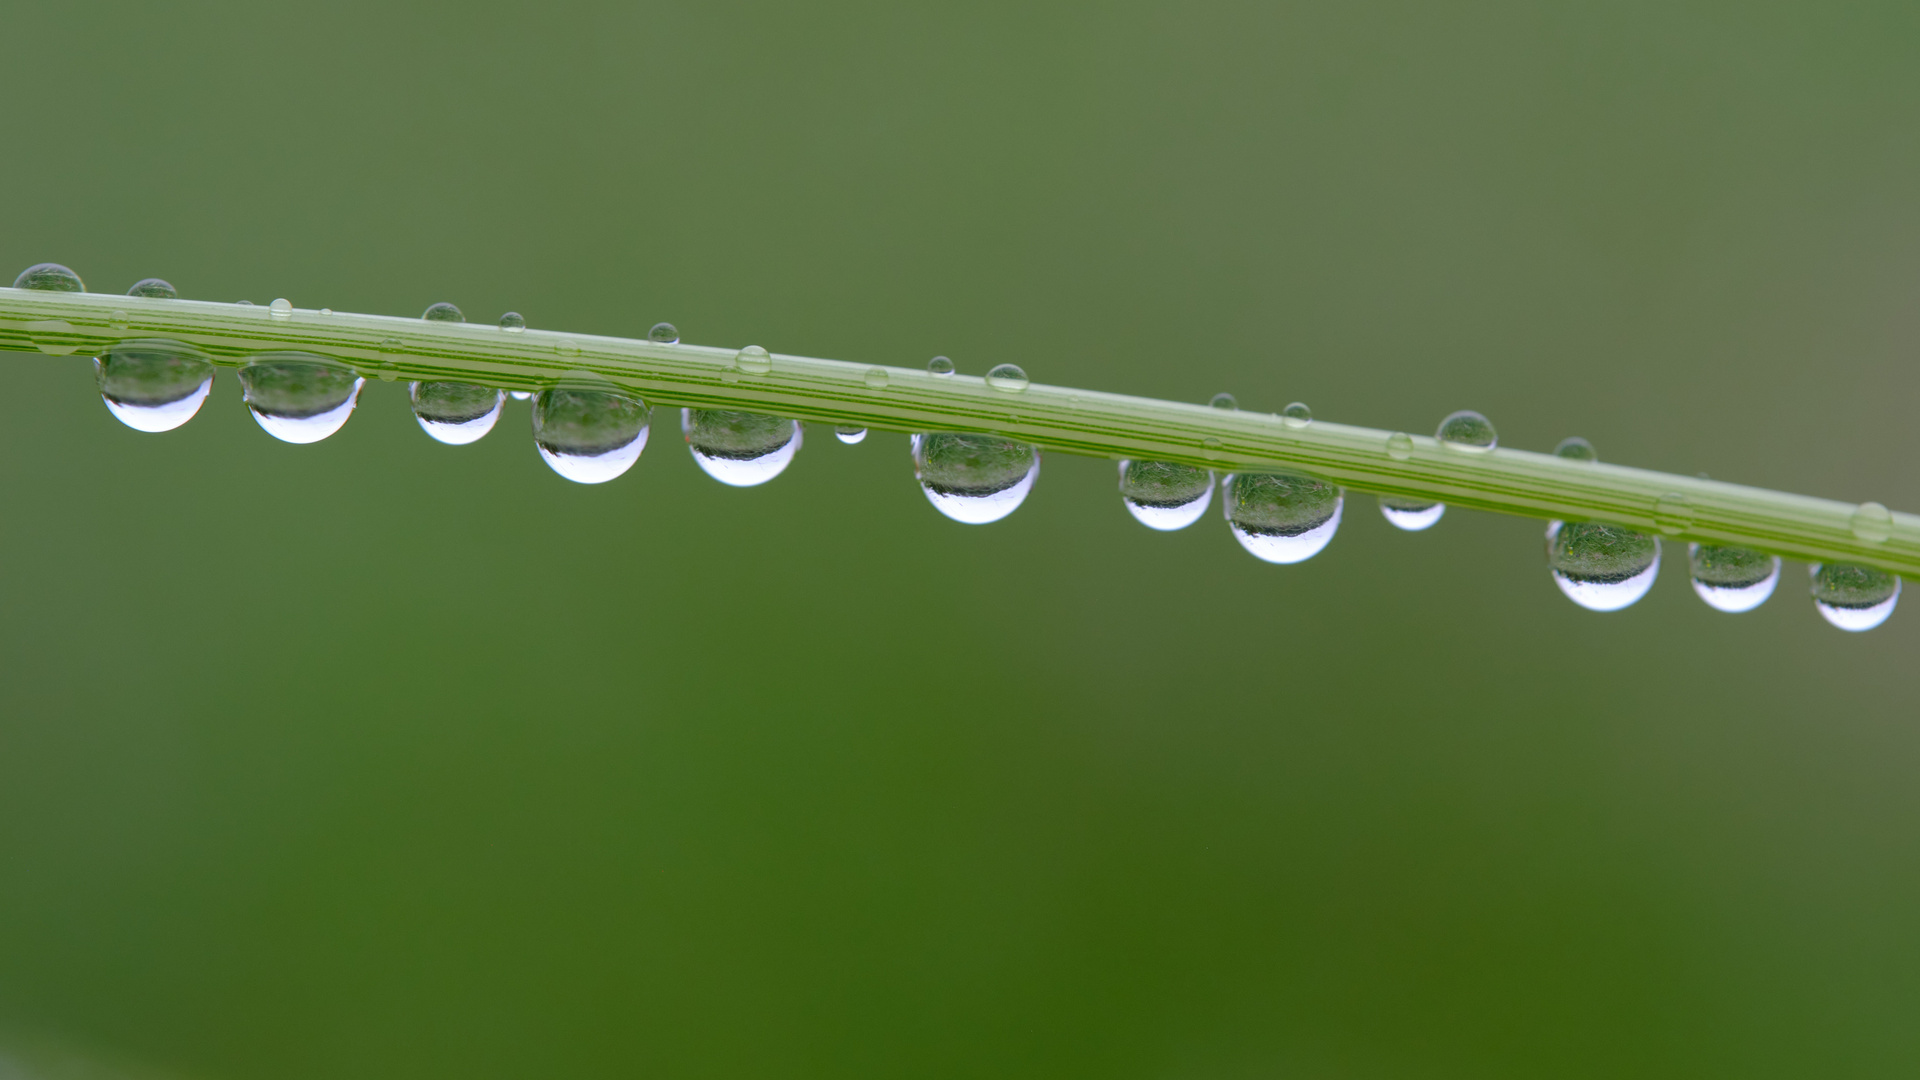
(1224, 400)
(1296, 415)
(456, 413)
(1575, 448)
(664, 333)
(939, 367)
(154, 385)
(443, 312)
(848, 434)
(1872, 523)
(49, 277)
(1732, 579)
(589, 436)
(513, 322)
(1165, 495)
(1399, 446)
(974, 478)
(740, 449)
(753, 360)
(157, 288)
(1602, 567)
(1854, 598)
(1279, 517)
(1469, 431)
(1008, 378)
(1413, 515)
(299, 397)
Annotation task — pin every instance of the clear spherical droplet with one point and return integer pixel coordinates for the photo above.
(753, 360)
(154, 385)
(1468, 431)
(1224, 400)
(443, 312)
(1575, 448)
(875, 378)
(281, 308)
(49, 277)
(590, 436)
(456, 413)
(664, 333)
(1280, 517)
(849, 434)
(1732, 579)
(1399, 446)
(940, 367)
(1872, 523)
(1007, 378)
(1165, 495)
(119, 319)
(1602, 567)
(1296, 415)
(974, 479)
(1854, 598)
(740, 449)
(1413, 515)
(154, 287)
(1673, 513)
(299, 397)
(513, 322)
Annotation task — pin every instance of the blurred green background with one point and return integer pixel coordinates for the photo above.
(380, 758)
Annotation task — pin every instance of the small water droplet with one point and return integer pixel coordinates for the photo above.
(589, 436)
(1211, 446)
(753, 360)
(520, 395)
(1602, 567)
(1413, 515)
(1854, 598)
(848, 434)
(876, 378)
(740, 449)
(49, 277)
(118, 319)
(299, 397)
(1296, 415)
(1673, 513)
(1224, 400)
(1165, 495)
(389, 349)
(567, 347)
(1872, 523)
(1399, 446)
(443, 312)
(972, 478)
(939, 367)
(1468, 431)
(455, 413)
(243, 303)
(1007, 378)
(513, 322)
(1732, 579)
(326, 311)
(1280, 517)
(1575, 448)
(154, 385)
(154, 287)
(664, 333)
(281, 308)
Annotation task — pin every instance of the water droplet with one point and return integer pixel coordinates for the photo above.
(513, 322)
(243, 303)
(589, 436)
(1413, 515)
(1008, 378)
(1165, 495)
(1224, 400)
(455, 413)
(1873, 523)
(326, 311)
(971, 478)
(753, 360)
(567, 347)
(1673, 513)
(876, 378)
(664, 333)
(1280, 517)
(299, 397)
(1733, 579)
(1854, 598)
(49, 277)
(281, 308)
(1602, 567)
(849, 435)
(1296, 415)
(1467, 430)
(118, 319)
(390, 348)
(1399, 446)
(939, 367)
(443, 312)
(1575, 448)
(520, 395)
(1211, 446)
(157, 288)
(154, 385)
(740, 449)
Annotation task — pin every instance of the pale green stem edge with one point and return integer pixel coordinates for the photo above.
(909, 399)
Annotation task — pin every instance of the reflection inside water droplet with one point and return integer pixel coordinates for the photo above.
(1732, 579)
(456, 413)
(299, 397)
(1413, 515)
(1602, 567)
(1165, 495)
(849, 435)
(1854, 598)
(940, 367)
(1467, 430)
(974, 478)
(49, 277)
(740, 449)
(1280, 517)
(154, 385)
(589, 436)
(664, 333)
(443, 312)
(154, 287)
(1008, 378)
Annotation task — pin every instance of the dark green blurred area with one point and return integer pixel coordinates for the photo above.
(380, 758)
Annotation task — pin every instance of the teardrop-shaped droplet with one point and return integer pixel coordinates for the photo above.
(154, 385)
(456, 413)
(49, 277)
(154, 287)
(740, 449)
(513, 322)
(1007, 378)
(1575, 448)
(1732, 579)
(1280, 517)
(589, 436)
(1224, 401)
(1872, 523)
(1413, 515)
(753, 360)
(1296, 415)
(972, 478)
(939, 367)
(1399, 446)
(1469, 431)
(299, 397)
(444, 312)
(1165, 495)
(1602, 567)
(848, 434)
(1854, 598)
(664, 333)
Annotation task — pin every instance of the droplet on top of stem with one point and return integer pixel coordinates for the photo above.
(1575, 448)
(1007, 378)
(49, 277)
(1468, 431)
(444, 312)
(753, 360)
(1296, 415)
(513, 322)
(940, 367)
(1224, 400)
(154, 287)
(664, 333)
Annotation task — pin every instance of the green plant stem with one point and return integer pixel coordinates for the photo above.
(1057, 418)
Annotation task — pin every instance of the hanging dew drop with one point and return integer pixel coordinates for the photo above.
(1411, 515)
(1296, 415)
(589, 436)
(513, 322)
(974, 479)
(940, 367)
(1575, 448)
(520, 395)
(740, 449)
(1007, 378)
(299, 397)
(1224, 401)
(455, 413)
(1853, 598)
(444, 312)
(49, 277)
(1732, 579)
(154, 386)
(1602, 567)
(155, 288)
(1165, 495)
(664, 333)
(1872, 523)
(753, 360)
(849, 435)
(1280, 517)
(1467, 431)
